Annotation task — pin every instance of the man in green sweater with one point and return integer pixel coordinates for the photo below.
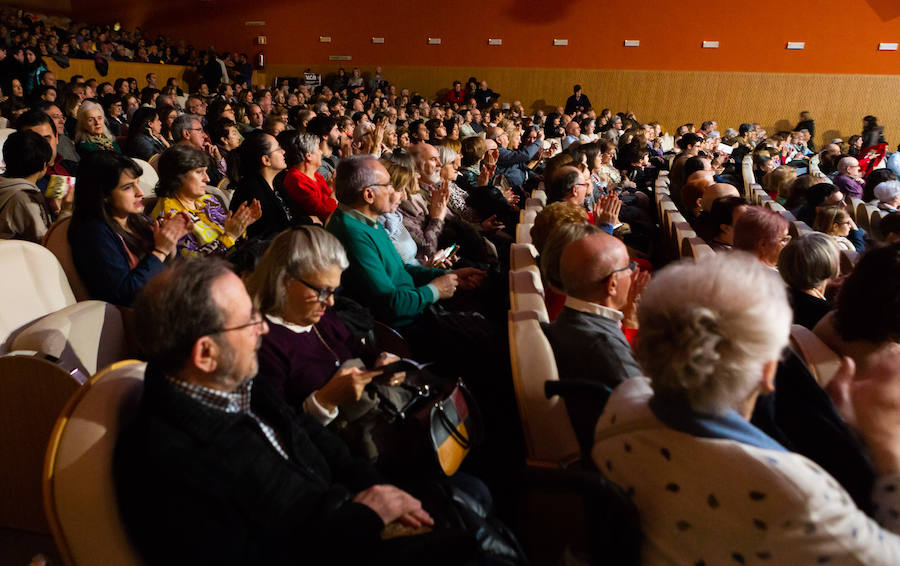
(395, 292)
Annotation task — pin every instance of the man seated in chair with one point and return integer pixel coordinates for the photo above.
(24, 213)
(217, 470)
(602, 287)
(396, 293)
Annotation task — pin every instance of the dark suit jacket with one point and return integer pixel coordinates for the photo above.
(202, 486)
(589, 347)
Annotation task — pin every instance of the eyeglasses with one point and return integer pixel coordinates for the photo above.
(255, 319)
(630, 267)
(388, 184)
(582, 184)
(322, 294)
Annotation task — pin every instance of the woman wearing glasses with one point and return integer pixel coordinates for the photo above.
(836, 222)
(182, 188)
(307, 344)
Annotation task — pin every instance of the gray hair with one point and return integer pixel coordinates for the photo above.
(296, 253)
(81, 128)
(301, 145)
(446, 155)
(353, 174)
(182, 123)
(560, 237)
(808, 261)
(887, 191)
(847, 162)
(708, 328)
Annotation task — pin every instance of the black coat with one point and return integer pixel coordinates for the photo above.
(276, 216)
(201, 486)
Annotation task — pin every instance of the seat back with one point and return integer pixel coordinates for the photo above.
(35, 285)
(149, 178)
(680, 232)
(527, 215)
(79, 495)
(522, 255)
(875, 223)
(747, 174)
(549, 437)
(853, 207)
(864, 214)
(540, 195)
(526, 292)
(33, 391)
(695, 248)
(86, 336)
(523, 233)
(822, 361)
(798, 227)
(57, 241)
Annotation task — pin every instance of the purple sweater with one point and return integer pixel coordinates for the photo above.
(296, 364)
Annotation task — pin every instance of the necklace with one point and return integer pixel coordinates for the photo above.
(337, 359)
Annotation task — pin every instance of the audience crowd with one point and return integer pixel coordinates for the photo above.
(332, 229)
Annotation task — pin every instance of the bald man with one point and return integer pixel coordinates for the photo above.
(849, 178)
(716, 191)
(602, 285)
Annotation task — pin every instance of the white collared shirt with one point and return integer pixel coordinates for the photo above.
(594, 308)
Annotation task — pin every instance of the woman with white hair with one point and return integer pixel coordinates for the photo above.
(711, 488)
(888, 195)
(91, 133)
(304, 352)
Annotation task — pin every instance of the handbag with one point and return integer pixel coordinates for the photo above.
(453, 426)
(445, 428)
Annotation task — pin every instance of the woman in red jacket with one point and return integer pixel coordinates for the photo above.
(308, 190)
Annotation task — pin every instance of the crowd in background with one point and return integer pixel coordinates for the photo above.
(351, 200)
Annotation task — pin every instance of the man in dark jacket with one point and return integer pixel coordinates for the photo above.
(601, 285)
(216, 469)
(578, 102)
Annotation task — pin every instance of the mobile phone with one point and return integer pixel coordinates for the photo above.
(445, 253)
(802, 171)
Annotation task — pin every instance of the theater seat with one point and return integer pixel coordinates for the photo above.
(540, 195)
(747, 174)
(39, 285)
(38, 313)
(149, 178)
(57, 241)
(526, 293)
(527, 216)
(33, 391)
(523, 233)
(549, 438)
(522, 255)
(798, 227)
(695, 249)
(79, 495)
(822, 361)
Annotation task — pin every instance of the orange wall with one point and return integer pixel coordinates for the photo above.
(841, 37)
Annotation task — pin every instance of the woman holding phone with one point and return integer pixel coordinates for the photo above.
(304, 353)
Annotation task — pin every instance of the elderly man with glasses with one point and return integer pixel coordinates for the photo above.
(602, 287)
(217, 469)
(396, 293)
